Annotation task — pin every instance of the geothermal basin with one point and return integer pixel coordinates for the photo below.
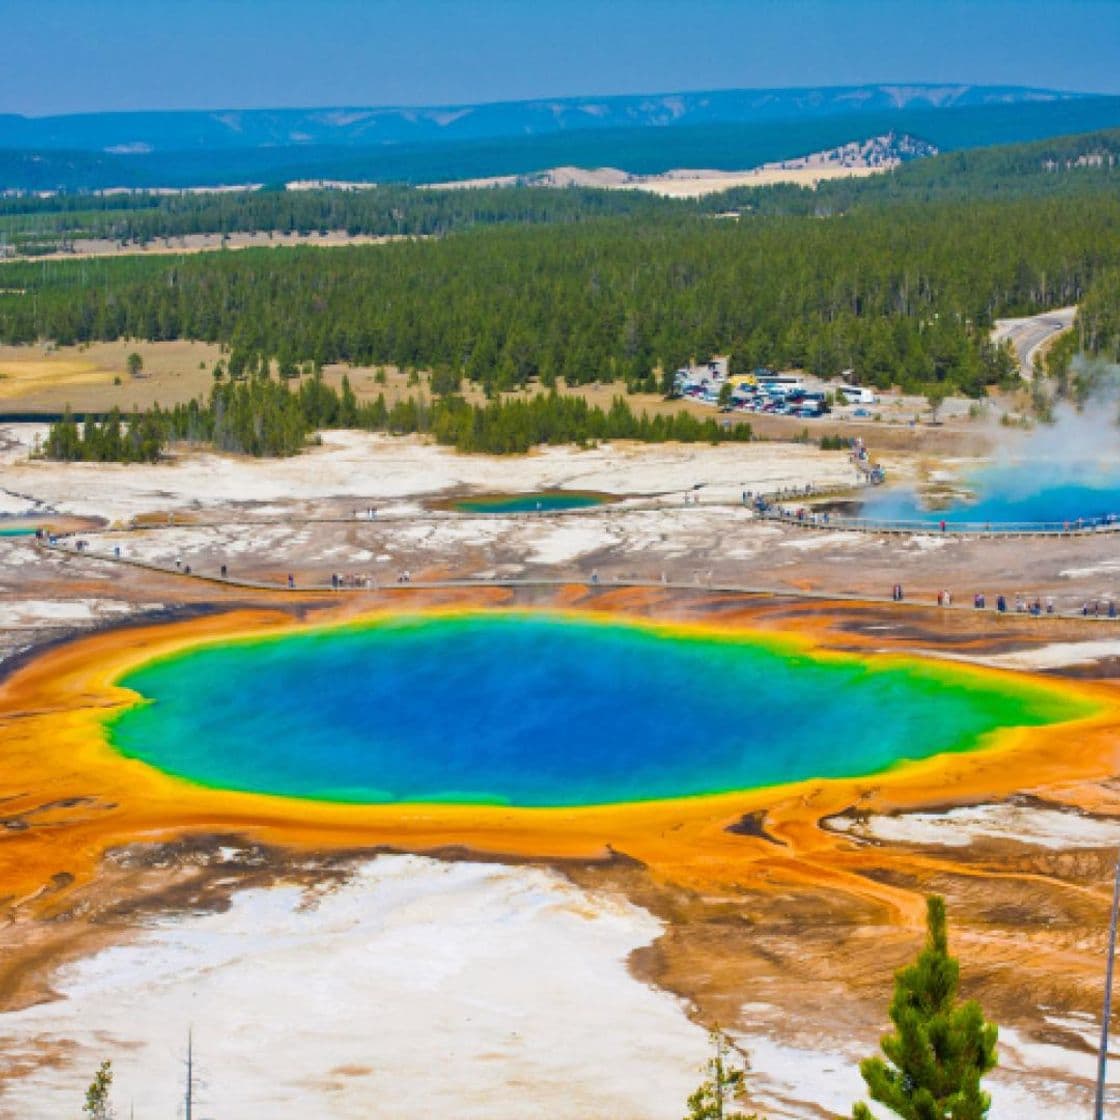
(546, 709)
(687, 764)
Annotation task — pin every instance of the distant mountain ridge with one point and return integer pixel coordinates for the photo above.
(946, 118)
(364, 127)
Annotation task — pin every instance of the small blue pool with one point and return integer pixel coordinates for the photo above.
(544, 501)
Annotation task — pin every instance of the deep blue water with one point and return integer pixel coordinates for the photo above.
(1026, 492)
(544, 710)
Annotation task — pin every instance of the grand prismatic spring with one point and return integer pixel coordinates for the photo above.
(478, 725)
(547, 710)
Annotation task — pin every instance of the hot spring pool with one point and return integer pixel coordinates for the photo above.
(547, 710)
(1027, 492)
(545, 501)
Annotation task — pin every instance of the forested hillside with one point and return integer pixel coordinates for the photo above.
(1063, 167)
(34, 225)
(1098, 317)
(1086, 163)
(903, 294)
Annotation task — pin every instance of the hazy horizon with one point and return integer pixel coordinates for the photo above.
(354, 106)
(271, 54)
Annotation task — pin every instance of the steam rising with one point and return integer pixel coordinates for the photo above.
(1082, 441)
(1061, 471)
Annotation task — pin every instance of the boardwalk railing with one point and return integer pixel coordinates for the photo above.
(808, 519)
(72, 546)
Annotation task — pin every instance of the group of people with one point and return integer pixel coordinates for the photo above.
(1025, 605)
(1092, 609)
(866, 471)
(349, 580)
(1022, 604)
(782, 494)
(769, 507)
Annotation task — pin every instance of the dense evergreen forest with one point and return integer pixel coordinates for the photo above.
(897, 277)
(1072, 165)
(1061, 167)
(1098, 317)
(33, 225)
(262, 417)
(902, 294)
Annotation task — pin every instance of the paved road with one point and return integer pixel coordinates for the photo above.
(1027, 335)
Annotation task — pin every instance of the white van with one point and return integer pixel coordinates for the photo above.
(858, 394)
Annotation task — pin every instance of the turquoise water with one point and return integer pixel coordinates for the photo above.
(544, 710)
(1027, 492)
(547, 501)
(19, 532)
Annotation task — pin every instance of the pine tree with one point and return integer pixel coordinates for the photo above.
(940, 1049)
(726, 1085)
(98, 1106)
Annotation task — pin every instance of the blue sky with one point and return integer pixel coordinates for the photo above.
(85, 55)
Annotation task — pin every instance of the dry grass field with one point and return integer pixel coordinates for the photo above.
(395, 384)
(84, 248)
(95, 377)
